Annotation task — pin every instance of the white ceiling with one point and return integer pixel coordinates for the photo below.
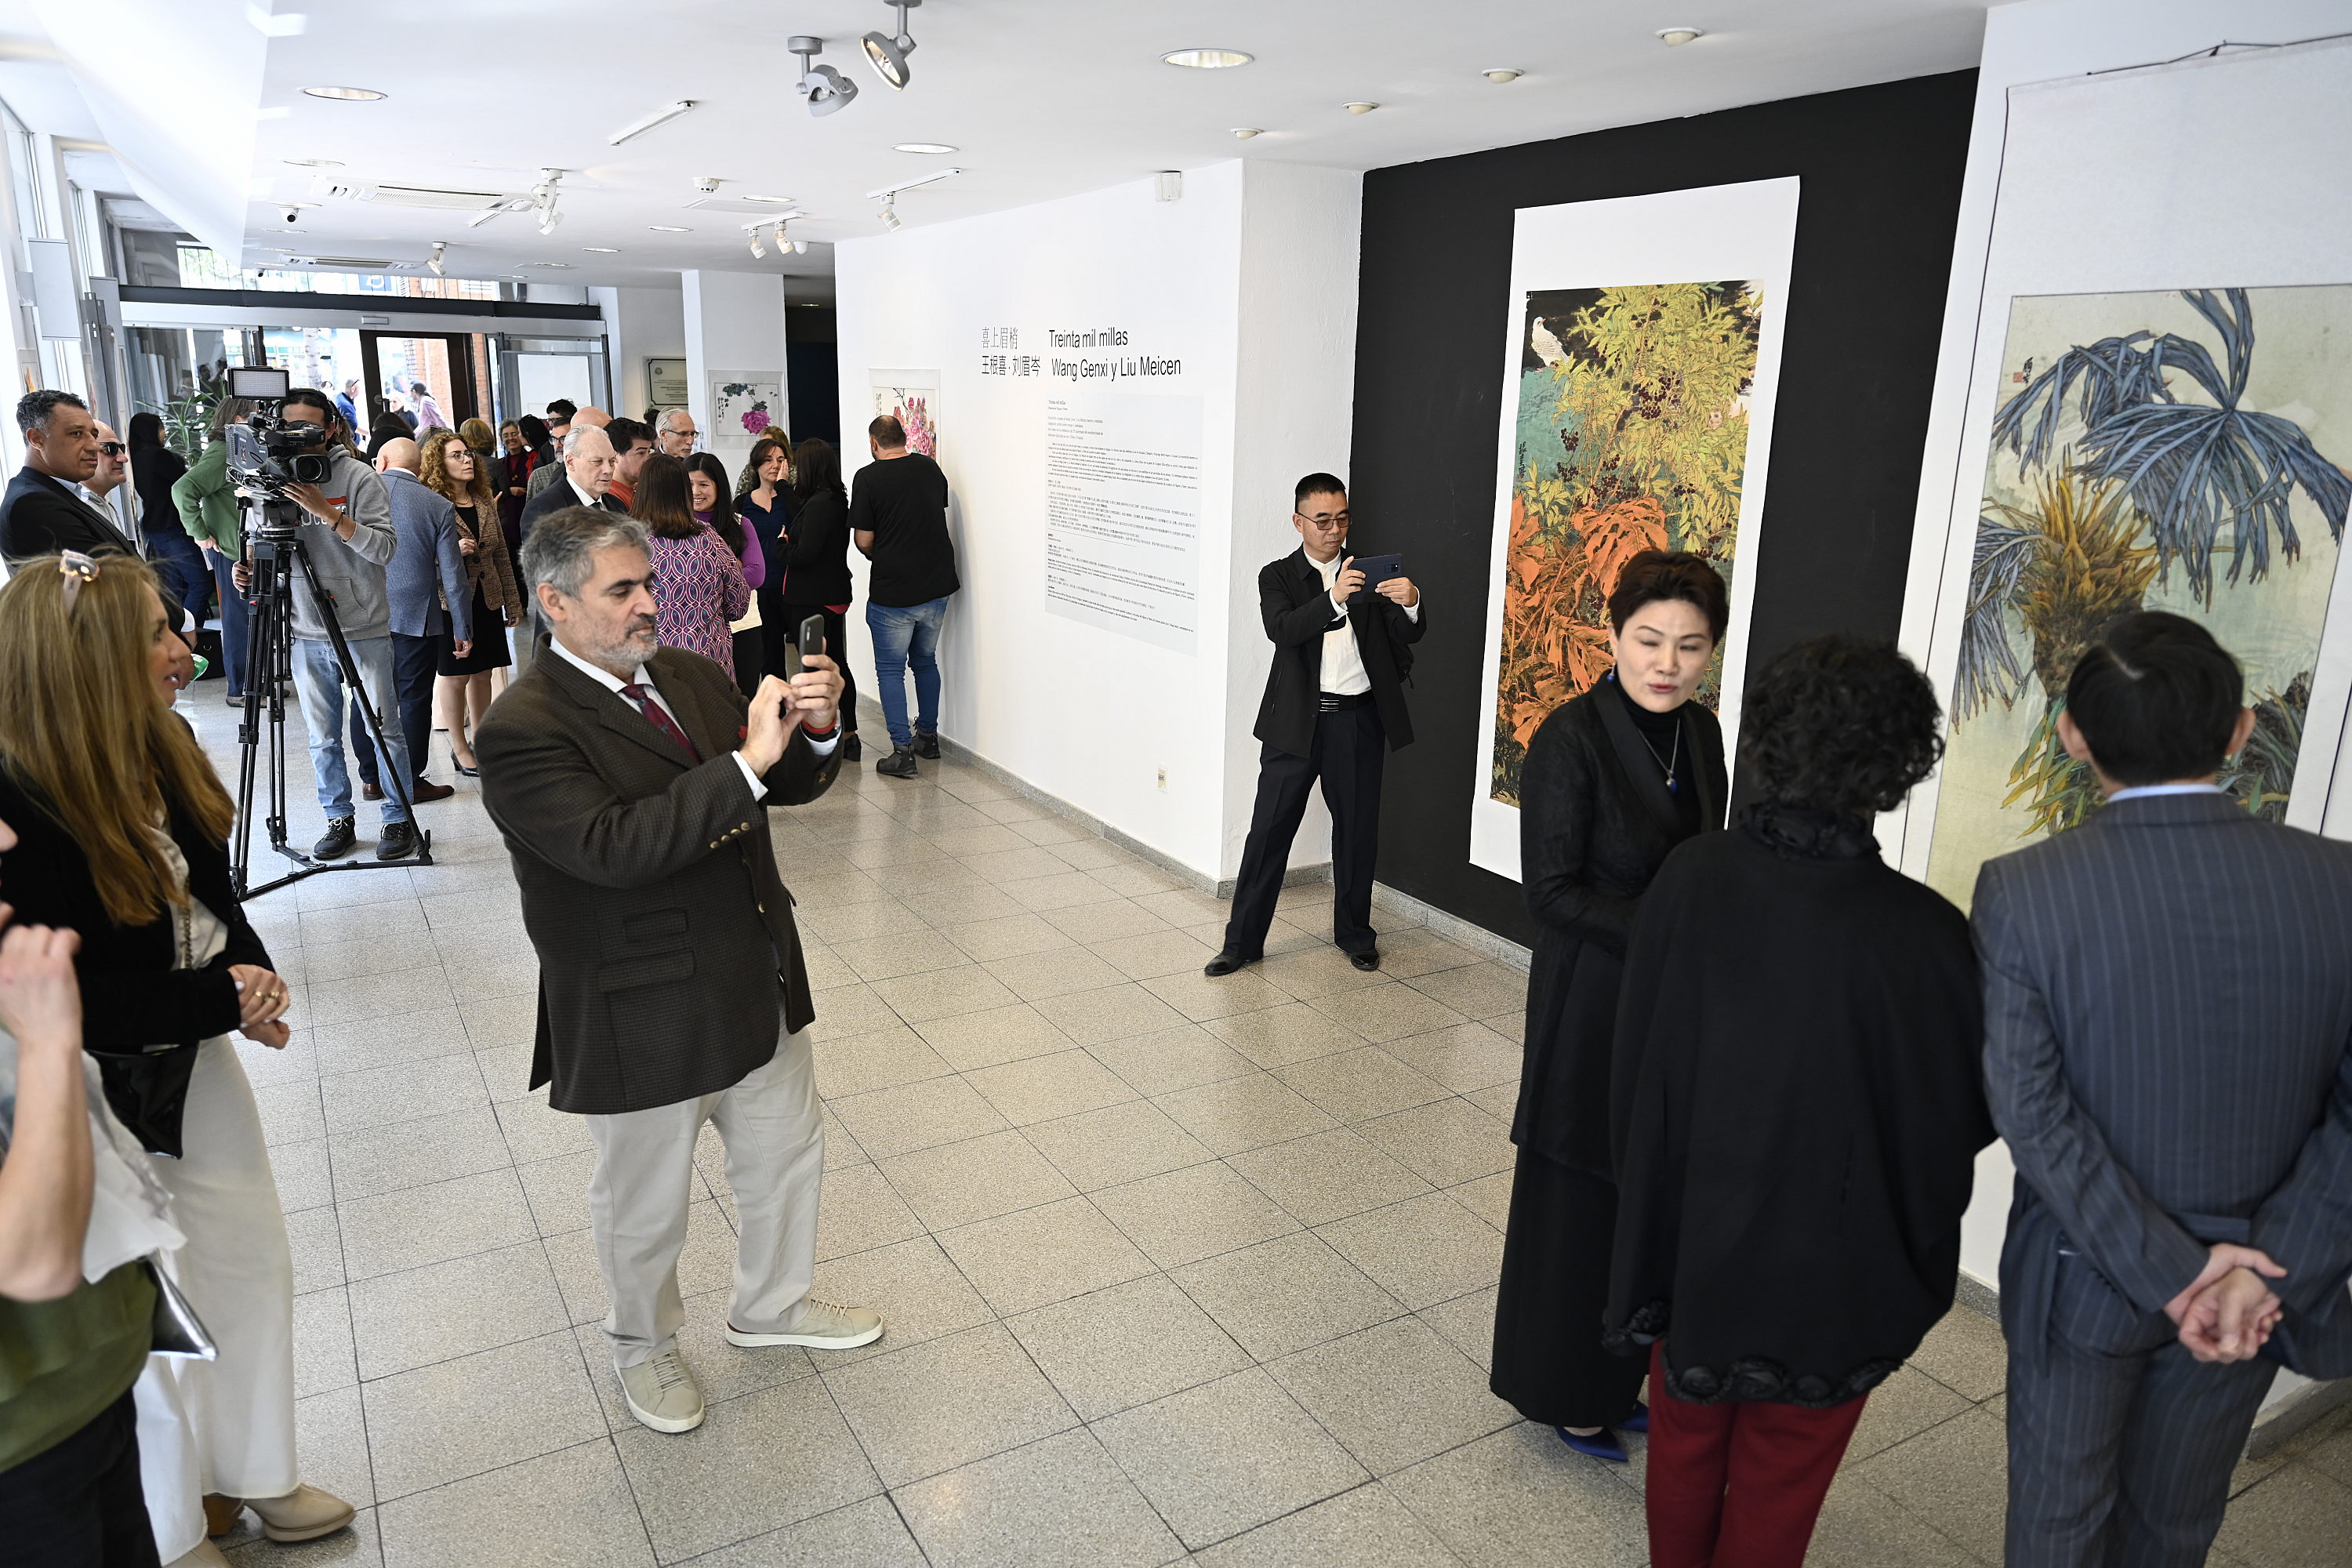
(1043, 99)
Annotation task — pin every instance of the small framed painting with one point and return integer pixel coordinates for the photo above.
(666, 385)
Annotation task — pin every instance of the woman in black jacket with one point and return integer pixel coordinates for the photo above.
(1614, 780)
(817, 568)
(1799, 1108)
(154, 469)
(122, 829)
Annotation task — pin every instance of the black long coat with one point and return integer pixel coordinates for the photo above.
(134, 1000)
(1595, 823)
(1800, 1101)
(664, 936)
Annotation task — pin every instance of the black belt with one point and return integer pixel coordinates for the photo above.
(1332, 702)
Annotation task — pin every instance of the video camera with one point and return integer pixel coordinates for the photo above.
(269, 452)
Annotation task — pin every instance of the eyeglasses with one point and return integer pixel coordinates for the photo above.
(77, 569)
(111, 448)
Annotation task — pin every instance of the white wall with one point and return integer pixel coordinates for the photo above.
(2035, 42)
(640, 324)
(734, 326)
(1250, 281)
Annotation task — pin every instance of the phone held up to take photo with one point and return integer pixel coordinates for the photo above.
(812, 640)
(1376, 570)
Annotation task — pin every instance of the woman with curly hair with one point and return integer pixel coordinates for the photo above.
(1798, 1107)
(1614, 779)
(454, 470)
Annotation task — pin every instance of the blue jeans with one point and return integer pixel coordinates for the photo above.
(232, 622)
(319, 683)
(179, 567)
(906, 636)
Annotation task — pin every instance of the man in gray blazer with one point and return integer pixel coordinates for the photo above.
(631, 782)
(2168, 1052)
(427, 574)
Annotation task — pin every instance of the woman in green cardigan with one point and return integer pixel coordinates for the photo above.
(207, 504)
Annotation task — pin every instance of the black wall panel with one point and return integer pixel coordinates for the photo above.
(1880, 168)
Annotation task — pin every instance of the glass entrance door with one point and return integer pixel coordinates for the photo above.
(426, 378)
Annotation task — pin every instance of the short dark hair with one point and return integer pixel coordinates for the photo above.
(2157, 700)
(311, 398)
(626, 433)
(1316, 485)
(561, 411)
(885, 430)
(33, 409)
(1654, 574)
(417, 388)
(1842, 725)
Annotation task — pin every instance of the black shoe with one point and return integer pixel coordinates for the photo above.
(927, 745)
(338, 840)
(850, 750)
(371, 791)
(898, 765)
(463, 770)
(397, 841)
(1225, 963)
(1367, 961)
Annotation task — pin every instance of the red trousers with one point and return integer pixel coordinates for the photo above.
(1737, 1485)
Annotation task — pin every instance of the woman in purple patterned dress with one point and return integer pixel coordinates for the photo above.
(698, 586)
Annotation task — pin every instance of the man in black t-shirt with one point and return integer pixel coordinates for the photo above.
(899, 515)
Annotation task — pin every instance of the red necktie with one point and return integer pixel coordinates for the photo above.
(659, 719)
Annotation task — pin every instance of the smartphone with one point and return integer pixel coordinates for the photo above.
(1376, 570)
(812, 640)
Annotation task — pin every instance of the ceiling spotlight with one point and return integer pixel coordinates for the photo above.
(661, 116)
(1501, 74)
(435, 263)
(1676, 37)
(758, 250)
(313, 163)
(1244, 132)
(346, 94)
(924, 147)
(547, 218)
(891, 212)
(544, 195)
(825, 88)
(1361, 108)
(889, 56)
(1207, 59)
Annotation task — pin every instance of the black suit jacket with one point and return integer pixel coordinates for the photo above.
(40, 516)
(1298, 612)
(555, 498)
(134, 1002)
(664, 936)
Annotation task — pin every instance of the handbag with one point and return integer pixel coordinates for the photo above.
(178, 1331)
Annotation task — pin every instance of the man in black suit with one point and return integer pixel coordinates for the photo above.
(41, 513)
(2168, 1052)
(1334, 697)
(631, 783)
(589, 464)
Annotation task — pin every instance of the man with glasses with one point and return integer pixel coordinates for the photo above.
(113, 468)
(46, 509)
(676, 435)
(1334, 702)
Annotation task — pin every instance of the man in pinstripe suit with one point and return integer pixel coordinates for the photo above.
(2168, 1052)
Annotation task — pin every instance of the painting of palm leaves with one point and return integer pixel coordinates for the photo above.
(2178, 450)
(1632, 436)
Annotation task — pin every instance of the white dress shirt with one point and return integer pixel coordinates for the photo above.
(1343, 664)
(2137, 791)
(592, 502)
(645, 677)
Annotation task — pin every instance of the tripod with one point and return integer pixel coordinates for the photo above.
(275, 553)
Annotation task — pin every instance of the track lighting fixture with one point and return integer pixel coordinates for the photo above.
(435, 263)
(825, 88)
(889, 56)
(544, 197)
(758, 250)
(661, 116)
(890, 211)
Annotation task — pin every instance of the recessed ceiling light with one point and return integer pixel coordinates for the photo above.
(925, 147)
(547, 264)
(661, 116)
(668, 228)
(1244, 132)
(346, 94)
(602, 249)
(771, 201)
(1361, 108)
(1207, 59)
(313, 163)
(1498, 75)
(1676, 37)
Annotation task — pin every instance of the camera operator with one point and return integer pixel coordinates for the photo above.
(347, 535)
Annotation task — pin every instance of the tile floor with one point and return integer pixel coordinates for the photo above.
(1174, 1270)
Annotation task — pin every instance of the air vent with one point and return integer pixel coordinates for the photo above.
(410, 196)
(737, 204)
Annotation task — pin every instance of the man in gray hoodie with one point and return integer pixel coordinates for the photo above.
(349, 538)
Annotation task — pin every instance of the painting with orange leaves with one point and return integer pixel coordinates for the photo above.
(1632, 434)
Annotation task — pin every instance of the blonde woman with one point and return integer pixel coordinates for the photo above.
(467, 687)
(122, 829)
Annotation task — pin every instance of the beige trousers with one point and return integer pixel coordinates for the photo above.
(645, 1179)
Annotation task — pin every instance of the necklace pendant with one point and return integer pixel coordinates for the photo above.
(1673, 787)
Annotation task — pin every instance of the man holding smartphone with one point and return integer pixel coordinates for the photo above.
(1333, 700)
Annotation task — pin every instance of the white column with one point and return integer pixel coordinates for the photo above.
(734, 335)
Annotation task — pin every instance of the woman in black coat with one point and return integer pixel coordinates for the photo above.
(816, 566)
(1614, 780)
(154, 469)
(1799, 1108)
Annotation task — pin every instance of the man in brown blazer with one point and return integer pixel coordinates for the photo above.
(631, 782)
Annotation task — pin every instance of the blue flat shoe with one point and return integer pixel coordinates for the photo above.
(1637, 1422)
(1601, 1445)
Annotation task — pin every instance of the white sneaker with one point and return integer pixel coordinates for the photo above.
(661, 1393)
(820, 1325)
